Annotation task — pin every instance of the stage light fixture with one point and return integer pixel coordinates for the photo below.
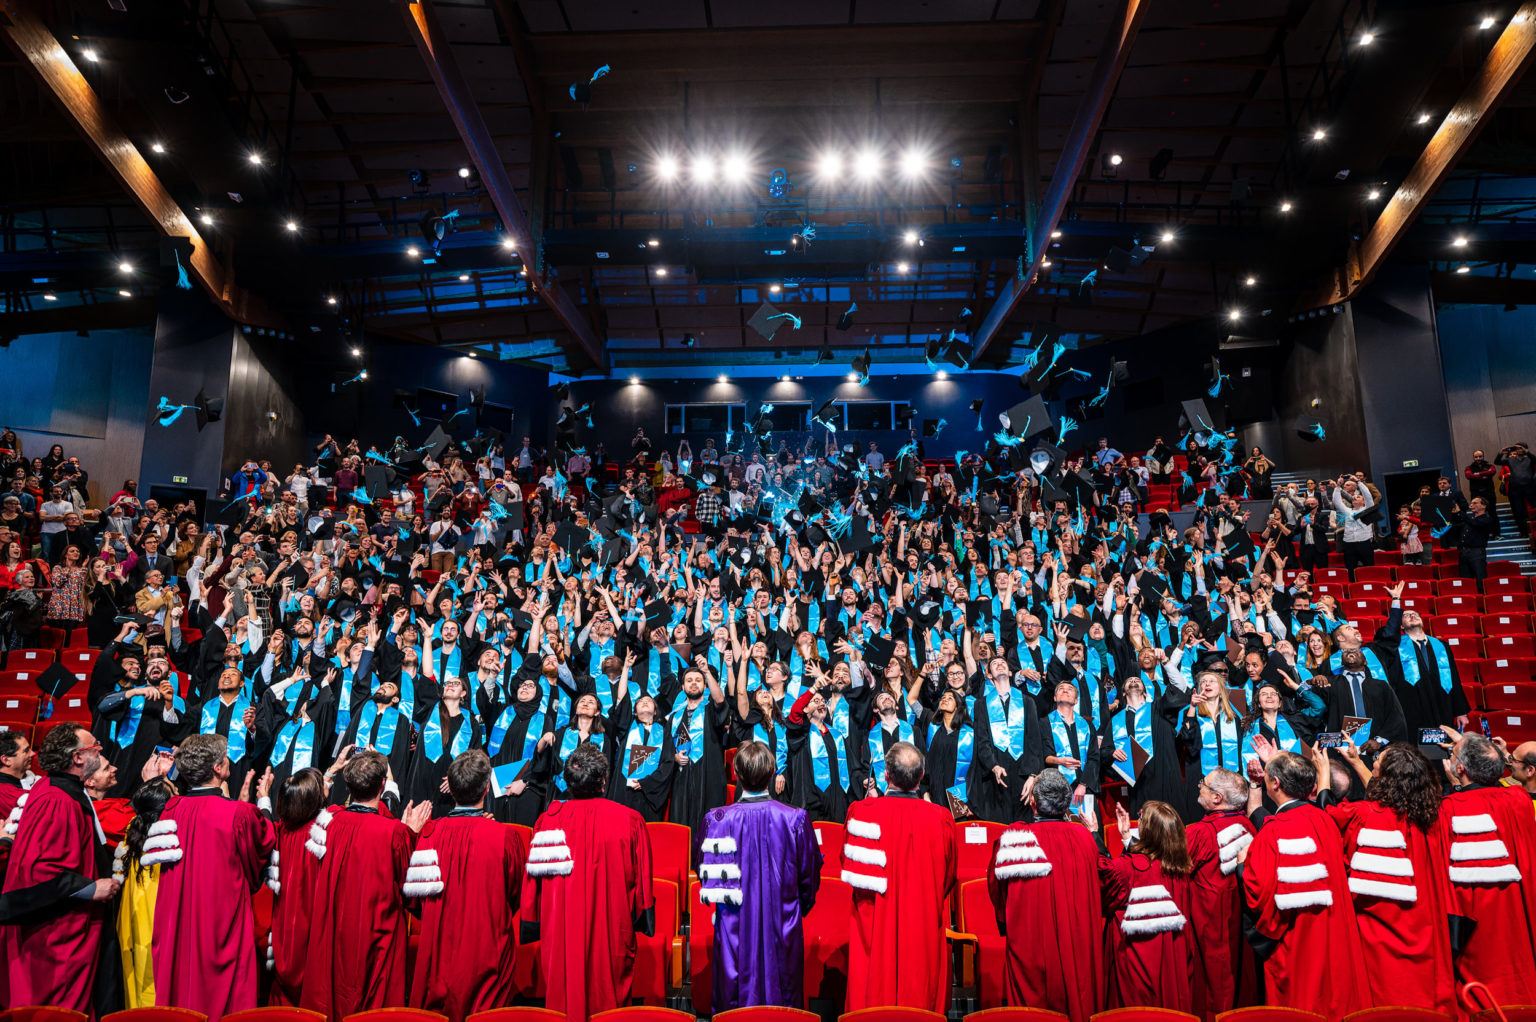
(464, 173)
(1166, 238)
(634, 381)
(903, 267)
(125, 267)
(413, 252)
(722, 378)
(158, 148)
(654, 243)
(463, 277)
(357, 352)
(910, 236)
(661, 271)
(90, 55)
(255, 159)
(736, 168)
(291, 226)
(1250, 280)
(774, 289)
(1483, 26)
(1367, 37)
(330, 300)
(1460, 241)
(1055, 235)
(1233, 315)
(667, 167)
(1463, 268)
(1318, 134)
(125, 293)
(1425, 118)
(1287, 206)
(784, 378)
(941, 375)
(49, 296)
(1373, 194)
(913, 164)
(508, 245)
(701, 169)
(206, 219)
(830, 166)
(866, 166)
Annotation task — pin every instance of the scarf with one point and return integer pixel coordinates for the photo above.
(1222, 751)
(1285, 737)
(432, 734)
(877, 750)
(568, 743)
(775, 740)
(1064, 741)
(1373, 665)
(965, 753)
(1409, 655)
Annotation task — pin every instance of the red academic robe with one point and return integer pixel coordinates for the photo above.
(49, 941)
(115, 814)
(1402, 903)
(1297, 888)
(467, 875)
(899, 857)
(204, 949)
(1492, 866)
(1151, 944)
(291, 876)
(1044, 882)
(1227, 973)
(357, 935)
(11, 793)
(588, 882)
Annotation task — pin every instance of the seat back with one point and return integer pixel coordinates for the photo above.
(1397, 1013)
(40, 1013)
(975, 841)
(1143, 1015)
(156, 1014)
(653, 953)
(275, 1014)
(826, 940)
(522, 1013)
(1269, 1013)
(393, 1015)
(642, 1013)
(1016, 1014)
(767, 1013)
(829, 838)
(701, 946)
(890, 1014)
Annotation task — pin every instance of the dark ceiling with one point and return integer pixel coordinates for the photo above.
(357, 148)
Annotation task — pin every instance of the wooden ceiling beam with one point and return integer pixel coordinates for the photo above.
(51, 64)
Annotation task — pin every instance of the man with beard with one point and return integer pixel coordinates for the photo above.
(699, 729)
(1355, 693)
(1480, 474)
(130, 722)
(231, 715)
(1426, 680)
(51, 903)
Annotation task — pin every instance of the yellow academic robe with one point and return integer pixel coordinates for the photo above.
(136, 932)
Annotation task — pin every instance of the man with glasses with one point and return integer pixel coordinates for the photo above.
(1522, 771)
(54, 889)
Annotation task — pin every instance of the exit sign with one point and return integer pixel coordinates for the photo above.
(183, 479)
(1411, 463)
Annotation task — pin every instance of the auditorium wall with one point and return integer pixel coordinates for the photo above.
(86, 392)
(1489, 367)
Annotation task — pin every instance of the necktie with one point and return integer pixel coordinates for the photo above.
(1356, 679)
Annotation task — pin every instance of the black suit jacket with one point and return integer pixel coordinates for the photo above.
(1381, 705)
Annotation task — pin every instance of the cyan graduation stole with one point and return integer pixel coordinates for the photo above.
(385, 740)
(1373, 664)
(1410, 659)
(775, 740)
(965, 753)
(122, 732)
(209, 724)
(688, 727)
(1219, 747)
(597, 652)
(877, 750)
(1064, 741)
(298, 735)
(1285, 737)
(1007, 724)
(1126, 725)
(432, 735)
(568, 743)
(530, 737)
(822, 762)
(652, 737)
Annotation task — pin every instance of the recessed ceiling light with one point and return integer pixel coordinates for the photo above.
(357, 352)
(1286, 206)
(206, 219)
(661, 271)
(1483, 25)
(784, 379)
(1166, 237)
(1463, 268)
(363, 375)
(1460, 241)
(1234, 314)
(666, 168)
(330, 300)
(125, 267)
(722, 378)
(255, 158)
(463, 276)
(90, 55)
(941, 375)
(1115, 159)
(1250, 280)
(1424, 118)
(292, 226)
(49, 296)
(1318, 134)
(853, 377)
(903, 267)
(909, 236)
(508, 244)
(1055, 235)
(157, 148)
(774, 289)
(654, 243)
(1373, 194)
(413, 252)
(1045, 263)
(129, 294)
(1367, 38)
(464, 172)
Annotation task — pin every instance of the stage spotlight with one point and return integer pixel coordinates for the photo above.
(913, 164)
(830, 166)
(49, 296)
(1483, 26)
(866, 166)
(158, 148)
(90, 55)
(1373, 194)
(702, 169)
(774, 289)
(910, 236)
(1318, 134)
(508, 244)
(1463, 268)
(1286, 206)
(1233, 315)
(1460, 241)
(1367, 37)
(1250, 280)
(736, 169)
(464, 173)
(292, 227)
(1166, 238)
(125, 267)
(903, 267)
(667, 167)
(330, 300)
(1056, 235)
(255, 159)
(207, 219)
(1425, 118)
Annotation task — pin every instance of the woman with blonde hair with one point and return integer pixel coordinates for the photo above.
(1210, 733)
(1147, 901)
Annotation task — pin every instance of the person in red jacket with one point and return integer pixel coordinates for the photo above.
(588, 891)
(466, 876)
(1396, 841)
(1297, 890)
(899, 857)
(1151, 955)
(1227, 975)
(1492, 867)
(1044, 883)
(358, 929)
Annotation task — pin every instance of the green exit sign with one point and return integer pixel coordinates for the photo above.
(1411, 463)
(182, 479)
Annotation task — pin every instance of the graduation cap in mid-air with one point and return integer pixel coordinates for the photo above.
(860, 365)
(207, 409)
(845, 321)
(55, 680)
(827, 415)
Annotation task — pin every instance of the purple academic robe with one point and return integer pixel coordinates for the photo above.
(761, 868)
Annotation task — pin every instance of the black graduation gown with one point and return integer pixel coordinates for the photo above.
(997, 802)
(650, 799)
(191, 724)
(1161, 778)
(1089, 773)
(831, 804)
(1381, 705)
(1426, 704)
(699, 786)
(272, 715)
(940, 760)
(524, 808)
(399, 754)
(427, 775)
(130, 758)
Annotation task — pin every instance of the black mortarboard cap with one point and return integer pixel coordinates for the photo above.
(570, 536)
(561, 391)
(232, 512)
(55, 680)
(976, 406)
(208, 409)
(878, 651)
(436, 443)
(827, 414)
(766, 321)
(1077, 628)
(845, 321)
(861, 363)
